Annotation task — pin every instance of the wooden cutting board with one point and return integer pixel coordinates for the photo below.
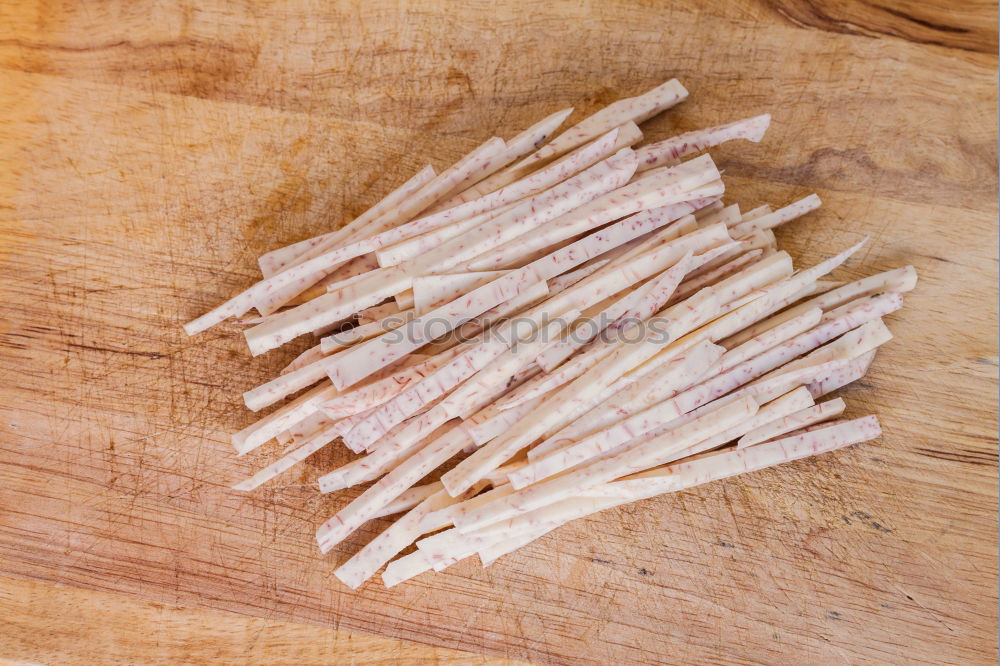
(149, 152)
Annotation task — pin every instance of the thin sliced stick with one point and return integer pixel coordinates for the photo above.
(409, 499)
(778, 217)
(516, 148)
(900, 280)
(569, 403)
(384, 283)
(640, 457)
(276, 261)
(694, 180)
(678, 374)
(800, 419)
(686, 474)
(431, 291)
(363, 360)
(633, 109)
(366, 562)
(482, 161)
(257, 433)
(352, 336)
(757, 212)
(634, 422)
(412, 246)
(855, 370)
(405, 568)
(672, 150)
(376, 393)
(426, 426)
(389, 487)
(297, 455)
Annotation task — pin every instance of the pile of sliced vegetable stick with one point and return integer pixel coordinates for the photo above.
(566, 322)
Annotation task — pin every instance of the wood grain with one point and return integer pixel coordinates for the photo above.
(150, 152)
(46, 623)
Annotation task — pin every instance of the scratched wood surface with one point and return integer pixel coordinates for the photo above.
(150, 151)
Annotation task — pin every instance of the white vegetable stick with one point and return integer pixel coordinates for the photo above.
(344, 426)
(537, 214)
(637, 269)
(430, 291)
(713, 421)
(448, 547)
(696, 179)
(557, 352)
(566, 280)
(409, 239)
(490, 554)
(737, 461)
(409, 499)
(627, 134)
(364, 332)
(413, 246)
(687, 474)
(443, 518)
(633, 261)
(852, 344)
(730, 216)
(709, 209)
(405, 568)
(633, 109)
(286, 384)
(634, 422)
(678, 374)
(308, 447)
(353, 269)
(671, 150)
(390, 486)
(364, 359)
(517, 147)
(482, 161)
(307, 357)
(899, 280)
(277, 260)
(800, 419)
(856, 369)
(517, 305)
(389, 543)
(498, 476)
(378, 392)
(731, 267)
(771, 410)
(662, 288)
(377, 312)
(636, 306)
(474, 201)
(386, 457)
(482, 430)
(778, 217)
(381, 284)
(474, 356)
(310, 425)
(670, 324)
(255, 434)
(570, 402)
(405, 299)
(769, 339)
(757, 212)
(769, 270)
(501, 369)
